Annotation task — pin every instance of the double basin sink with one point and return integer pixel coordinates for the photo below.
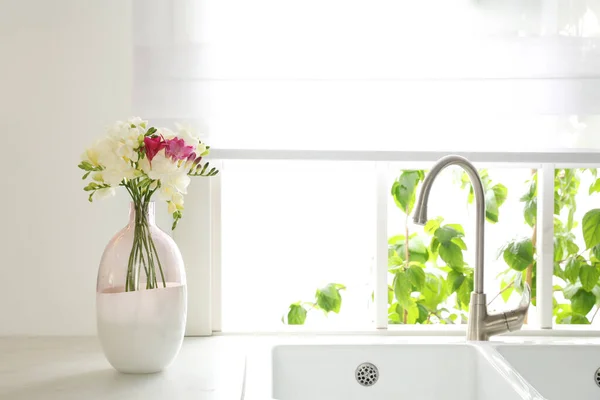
(422, 369)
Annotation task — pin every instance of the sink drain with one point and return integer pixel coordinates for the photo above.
(597, 377)
(367, 374)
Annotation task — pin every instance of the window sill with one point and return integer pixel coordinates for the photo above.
(568, 331)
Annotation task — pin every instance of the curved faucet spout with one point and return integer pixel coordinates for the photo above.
(420, 215)
(481, 324)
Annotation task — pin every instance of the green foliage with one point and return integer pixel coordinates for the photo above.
(530, 200)
(329, 297)
(582, 302)
(518, 254)
(431, 283)
(580, 270)
(594, 187)
(296, 314)
(404, 189)
(495, 194)
(572, 269)
(591, 228)
(417, 250)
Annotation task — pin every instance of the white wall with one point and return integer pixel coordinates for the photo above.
(65, 74)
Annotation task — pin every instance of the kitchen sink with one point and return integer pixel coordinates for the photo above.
(454, 371)
(559, 371)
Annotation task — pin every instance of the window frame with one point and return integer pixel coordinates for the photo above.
(204, 277)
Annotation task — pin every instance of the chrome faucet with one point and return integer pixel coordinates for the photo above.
(481, 324)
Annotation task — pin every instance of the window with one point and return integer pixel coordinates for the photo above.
(290, 227)
(523, 241)
(315, 108)
(576, 246)
(436, 284)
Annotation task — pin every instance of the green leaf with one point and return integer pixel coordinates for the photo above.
(595, 187)
(494, 198)
(570, 290)
(530, 212)
(296, 315)
(423, 313)
(519, 254)
(416, 276)
(402, 289)
(452, 255)
(588, 275)
(577, 319)
(412, 313)
(572, 269)
(417, 251)
(404, 189)
(446, 233)
(530, 200)
(329, 297)
(396, 239)
(394, 317)
(434, 245)
(434, 292)
(562, 312)
(458, 241)
(463, 294)
(596, 292)
(596, 252)
(458, 228)
(455, 280)
(583, 302)
(558, 249)
(394, 261)
(506, 291)
(432, 225)
(572, 247)
(591, 228)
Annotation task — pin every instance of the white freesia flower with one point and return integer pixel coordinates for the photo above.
(147, 161)
(98, 177)
(91, 155)
(116, 168)
(128, 137)
(137, 121)
(190, 138)
(175, 203)
(172, 175)
(104, 193)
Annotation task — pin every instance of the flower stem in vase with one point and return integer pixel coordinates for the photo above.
(143, 253)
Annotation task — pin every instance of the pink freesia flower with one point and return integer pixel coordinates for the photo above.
(177, 149)
(153, 146)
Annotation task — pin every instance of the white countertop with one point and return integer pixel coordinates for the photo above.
(75, 369)
(209, 368)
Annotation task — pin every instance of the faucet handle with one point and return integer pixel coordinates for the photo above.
(515, 318)
(526, 298)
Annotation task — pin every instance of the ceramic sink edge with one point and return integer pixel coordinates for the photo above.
(508, 372)
(252, 389)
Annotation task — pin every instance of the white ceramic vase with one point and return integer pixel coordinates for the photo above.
(141, 296)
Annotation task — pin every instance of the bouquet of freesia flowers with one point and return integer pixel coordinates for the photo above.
(145, 161)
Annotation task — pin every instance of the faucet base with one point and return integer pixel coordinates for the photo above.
(482, 325)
